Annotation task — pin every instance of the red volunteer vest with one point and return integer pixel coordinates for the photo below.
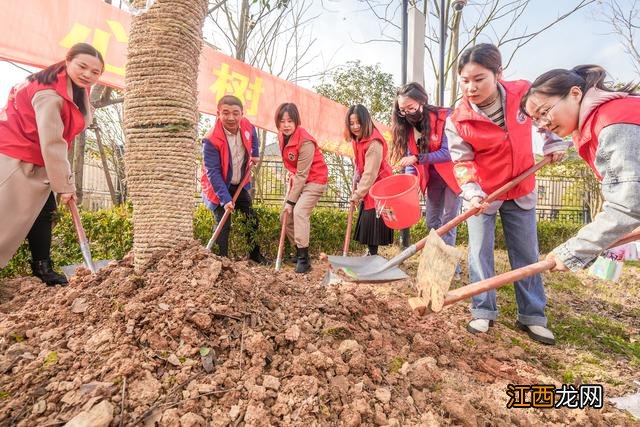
(18, 129)
(436, 122)
(499, 155)
(218, 139)
(360, 150)
(622, 110)
(319, 172)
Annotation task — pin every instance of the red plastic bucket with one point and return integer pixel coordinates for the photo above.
(397, 200)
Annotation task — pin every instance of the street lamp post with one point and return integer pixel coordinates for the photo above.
(443, 42)
(457, 6)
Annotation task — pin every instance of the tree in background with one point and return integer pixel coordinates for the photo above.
(272, 35)
(160, 122)
(354, 83)
(624, 19)
(500, 19)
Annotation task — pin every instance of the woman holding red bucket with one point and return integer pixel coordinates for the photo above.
(490, 142)
(605, 125)
(420, 146)
(307, 179)
(371, 165)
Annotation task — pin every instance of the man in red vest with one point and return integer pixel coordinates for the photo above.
(227, 150)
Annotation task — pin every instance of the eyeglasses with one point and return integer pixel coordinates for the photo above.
(408, 111)
(543, 119)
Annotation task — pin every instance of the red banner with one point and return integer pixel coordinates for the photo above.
(39, 32)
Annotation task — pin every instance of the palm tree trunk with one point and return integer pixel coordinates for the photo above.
(160, 120)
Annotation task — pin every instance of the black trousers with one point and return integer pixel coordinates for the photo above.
(39, 236)
(244, 204)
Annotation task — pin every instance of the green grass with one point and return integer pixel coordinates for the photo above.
(597, 334)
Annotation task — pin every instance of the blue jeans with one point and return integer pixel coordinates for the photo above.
(521, 237)
(442, 205)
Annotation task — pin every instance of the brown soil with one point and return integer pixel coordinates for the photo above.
(199, 341)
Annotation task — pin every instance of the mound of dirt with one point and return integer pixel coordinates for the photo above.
(197, 341)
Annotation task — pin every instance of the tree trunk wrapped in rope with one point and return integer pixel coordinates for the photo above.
(160, 120)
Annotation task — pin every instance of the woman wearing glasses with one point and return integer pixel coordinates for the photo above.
(605, 125)
(491, 143)
(420, 146)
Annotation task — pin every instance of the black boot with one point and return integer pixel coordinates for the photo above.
(303, 264)
(256, 256)
(43, 270)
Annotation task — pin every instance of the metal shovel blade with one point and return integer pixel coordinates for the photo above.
(358, 268)
(70, 270)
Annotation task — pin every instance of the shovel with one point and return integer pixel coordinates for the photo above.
(283, 233)
(347, 235)
(419, 305)
(366, 269)
(227, 213)
(332, 278)
(70, 270)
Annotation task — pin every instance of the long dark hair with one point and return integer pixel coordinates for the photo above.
(50, 74)
(400, 126)
(559, 82)
(364, 118)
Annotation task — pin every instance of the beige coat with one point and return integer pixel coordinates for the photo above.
(25, 187)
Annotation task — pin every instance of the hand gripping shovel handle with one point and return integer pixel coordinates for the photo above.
(490, 198)
(517, 274)
(283, 233)
(416, 247)
(225, 217)
(82, 237)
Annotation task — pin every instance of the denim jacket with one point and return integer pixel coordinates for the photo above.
(618, 162)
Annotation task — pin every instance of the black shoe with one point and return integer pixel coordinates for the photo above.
(256, 256)
(43, 270)
(303, 265)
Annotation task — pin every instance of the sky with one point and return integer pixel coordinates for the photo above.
(343, 27)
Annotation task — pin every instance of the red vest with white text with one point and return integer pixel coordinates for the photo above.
(218, 139)
(616, 111)
(445, 169)
(500, 155)
(319, 172)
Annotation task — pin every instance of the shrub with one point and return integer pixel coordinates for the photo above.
(110, 232)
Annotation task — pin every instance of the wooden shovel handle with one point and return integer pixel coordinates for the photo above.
(490, 198)
(517, 274)
(77, 223)
(347, 236)
(283, 233)
(227, 213)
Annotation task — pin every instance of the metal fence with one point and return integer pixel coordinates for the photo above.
(560, 198)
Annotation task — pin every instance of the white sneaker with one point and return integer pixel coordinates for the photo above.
(537, 333)
(479, 326)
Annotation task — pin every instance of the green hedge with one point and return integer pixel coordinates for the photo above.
(111, 234)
